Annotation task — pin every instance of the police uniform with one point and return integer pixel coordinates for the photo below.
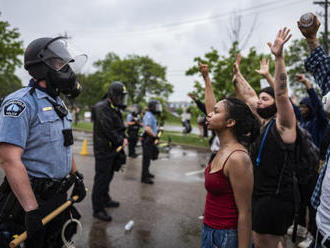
(28, 120)
(133, 133)
(150, 120)
(109, 134)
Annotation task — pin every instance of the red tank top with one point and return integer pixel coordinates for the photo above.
(220, 207)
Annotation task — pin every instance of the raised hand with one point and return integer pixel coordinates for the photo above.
(237, 64)
(192, 95)
(282, 37)
(236, 67)
(310, 32)
(301, 78)
(204, 69)
(264, 67)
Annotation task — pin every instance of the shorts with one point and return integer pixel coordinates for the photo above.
(272, 215)
(218, 238)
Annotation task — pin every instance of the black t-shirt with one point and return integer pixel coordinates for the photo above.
(272, 160)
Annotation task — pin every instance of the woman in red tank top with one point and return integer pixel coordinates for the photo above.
(229, 177)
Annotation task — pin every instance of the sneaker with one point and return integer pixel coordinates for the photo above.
(306, 242)
(301, 231)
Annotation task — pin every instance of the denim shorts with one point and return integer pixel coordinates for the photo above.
(216, 238)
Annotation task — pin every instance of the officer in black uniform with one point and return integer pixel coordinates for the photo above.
(133, 123)
(150, 149)
(36, 146)
(109, 139)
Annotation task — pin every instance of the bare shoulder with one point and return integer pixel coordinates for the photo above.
(239, 162)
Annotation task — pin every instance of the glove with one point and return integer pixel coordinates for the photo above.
(79, 187)
(34, 229)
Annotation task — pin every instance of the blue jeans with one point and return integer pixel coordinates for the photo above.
(217, 238)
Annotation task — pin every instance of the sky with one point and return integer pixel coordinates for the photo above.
(171, 32)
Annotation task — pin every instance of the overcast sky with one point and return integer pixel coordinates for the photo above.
(171, 32)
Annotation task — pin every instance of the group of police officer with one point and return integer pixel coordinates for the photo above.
(36, 146)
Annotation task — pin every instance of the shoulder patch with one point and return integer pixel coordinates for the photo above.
(14, 108)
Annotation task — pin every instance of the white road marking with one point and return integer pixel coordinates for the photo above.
(194, 172)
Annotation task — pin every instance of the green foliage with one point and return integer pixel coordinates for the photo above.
(93, 89)
(221, 71)
(141, 75)
(10, 50)
(179, 111)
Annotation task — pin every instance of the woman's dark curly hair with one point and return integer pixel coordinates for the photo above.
(247, 127)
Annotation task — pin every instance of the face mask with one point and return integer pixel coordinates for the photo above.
(267, 112)
(62, 81)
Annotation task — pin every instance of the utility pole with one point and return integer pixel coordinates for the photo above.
(325, 39)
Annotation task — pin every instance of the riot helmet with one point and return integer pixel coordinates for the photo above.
(155, 106)
(118, 94)
(55, 61)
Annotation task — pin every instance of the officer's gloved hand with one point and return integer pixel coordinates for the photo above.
(79, 187)
(34, 229)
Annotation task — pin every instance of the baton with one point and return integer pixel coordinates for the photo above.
(158, 135)
(22, 237)
(119, 148)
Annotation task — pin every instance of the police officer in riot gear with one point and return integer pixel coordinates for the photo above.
(150, 150)
(133, 124)
(36, 145)
(109, 139)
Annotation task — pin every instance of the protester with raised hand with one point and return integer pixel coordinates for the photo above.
(273, 206)
(314, 119)
(318, 63)
(229, 176)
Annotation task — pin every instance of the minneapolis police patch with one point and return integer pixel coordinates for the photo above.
(14, 108)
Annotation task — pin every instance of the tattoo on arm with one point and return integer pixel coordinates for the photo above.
(283, 79)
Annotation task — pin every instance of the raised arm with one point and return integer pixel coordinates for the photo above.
(210, 100)
(315, 100)
(200, 105)
(318, 62)
(285, 119)
(243, 89)
(264, 71)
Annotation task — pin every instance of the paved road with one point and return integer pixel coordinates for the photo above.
(165, 214)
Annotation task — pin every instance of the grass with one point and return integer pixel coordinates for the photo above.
(175, 137)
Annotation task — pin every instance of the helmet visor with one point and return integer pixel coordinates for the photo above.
(159, 108)
(124, 100)
(61, 52)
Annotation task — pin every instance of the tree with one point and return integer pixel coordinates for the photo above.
(141, 75)
(221, 71)
(10, 50)
(93, 89)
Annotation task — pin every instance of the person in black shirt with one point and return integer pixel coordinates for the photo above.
(109, 140)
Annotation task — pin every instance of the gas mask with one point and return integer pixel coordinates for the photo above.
(63, 63)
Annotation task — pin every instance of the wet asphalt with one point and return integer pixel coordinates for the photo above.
(165, 214)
